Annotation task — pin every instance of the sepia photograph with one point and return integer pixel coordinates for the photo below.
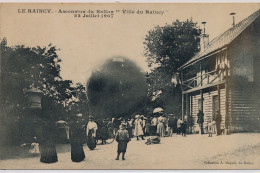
(129, 86)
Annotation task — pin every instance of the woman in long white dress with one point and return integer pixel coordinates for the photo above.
(160, 127)
(138, 128)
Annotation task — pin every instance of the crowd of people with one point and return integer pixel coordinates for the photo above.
(121, 129)
(141, 126)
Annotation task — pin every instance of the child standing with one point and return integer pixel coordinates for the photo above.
(210, 128)
(35, 147)
(183, 128)
(179, 122)
(122, 137)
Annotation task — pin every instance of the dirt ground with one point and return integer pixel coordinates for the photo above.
(235, 151)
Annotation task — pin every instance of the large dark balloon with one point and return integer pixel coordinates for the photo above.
(117, 89)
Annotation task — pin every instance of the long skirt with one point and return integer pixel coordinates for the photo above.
(110, 132)
(130, 132)
(138, 130)
(160, 129)
(184, 129)
(153, 130)
(77, 152)
(48, 153)
(122, 145)
(91, 142)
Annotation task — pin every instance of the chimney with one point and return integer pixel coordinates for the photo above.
(204, 38)
(233, 15)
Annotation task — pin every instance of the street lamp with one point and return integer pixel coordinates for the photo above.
(34, 96)
(33, 110)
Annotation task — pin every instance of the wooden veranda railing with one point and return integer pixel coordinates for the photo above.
(204, 79)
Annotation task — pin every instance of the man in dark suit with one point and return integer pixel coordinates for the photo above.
(218, 120)
(200, 120)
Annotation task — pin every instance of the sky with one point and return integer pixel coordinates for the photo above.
(86, 43)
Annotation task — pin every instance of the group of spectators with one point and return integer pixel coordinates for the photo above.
(121, 129)
(213, 124)
(167, 125)
(141, 126)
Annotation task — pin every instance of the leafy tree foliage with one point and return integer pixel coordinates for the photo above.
(172, 45)
(24, 67)
(166, 49)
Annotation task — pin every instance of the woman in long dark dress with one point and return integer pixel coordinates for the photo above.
(102, 131)
(47, 143)
(77, 138)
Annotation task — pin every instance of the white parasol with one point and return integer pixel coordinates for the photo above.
(156, 110)
(61, 122)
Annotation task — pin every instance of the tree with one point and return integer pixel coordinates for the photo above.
(78, 102)
(166, 49)
(170, 46)
(24, 67)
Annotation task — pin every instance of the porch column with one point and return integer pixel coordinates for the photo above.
(187, 113)
(182, 110)
(218, 98)
(226, 110)
(201, 74)
(191, 119)
(201, 100)
(187, 105)
(201, 108)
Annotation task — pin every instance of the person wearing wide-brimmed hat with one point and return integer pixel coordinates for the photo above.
(110, 127)
(91, 126)
(147, 126)
(157, 112)
(91, 132)
(161, 126)
(138, 128)
(170, 125)
(143, 123)
(122, 137)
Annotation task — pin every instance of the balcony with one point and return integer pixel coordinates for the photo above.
(205, 80)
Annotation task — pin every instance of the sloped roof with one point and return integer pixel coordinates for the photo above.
(224, 39)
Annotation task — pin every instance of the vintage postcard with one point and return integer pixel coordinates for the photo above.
(130, 86)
